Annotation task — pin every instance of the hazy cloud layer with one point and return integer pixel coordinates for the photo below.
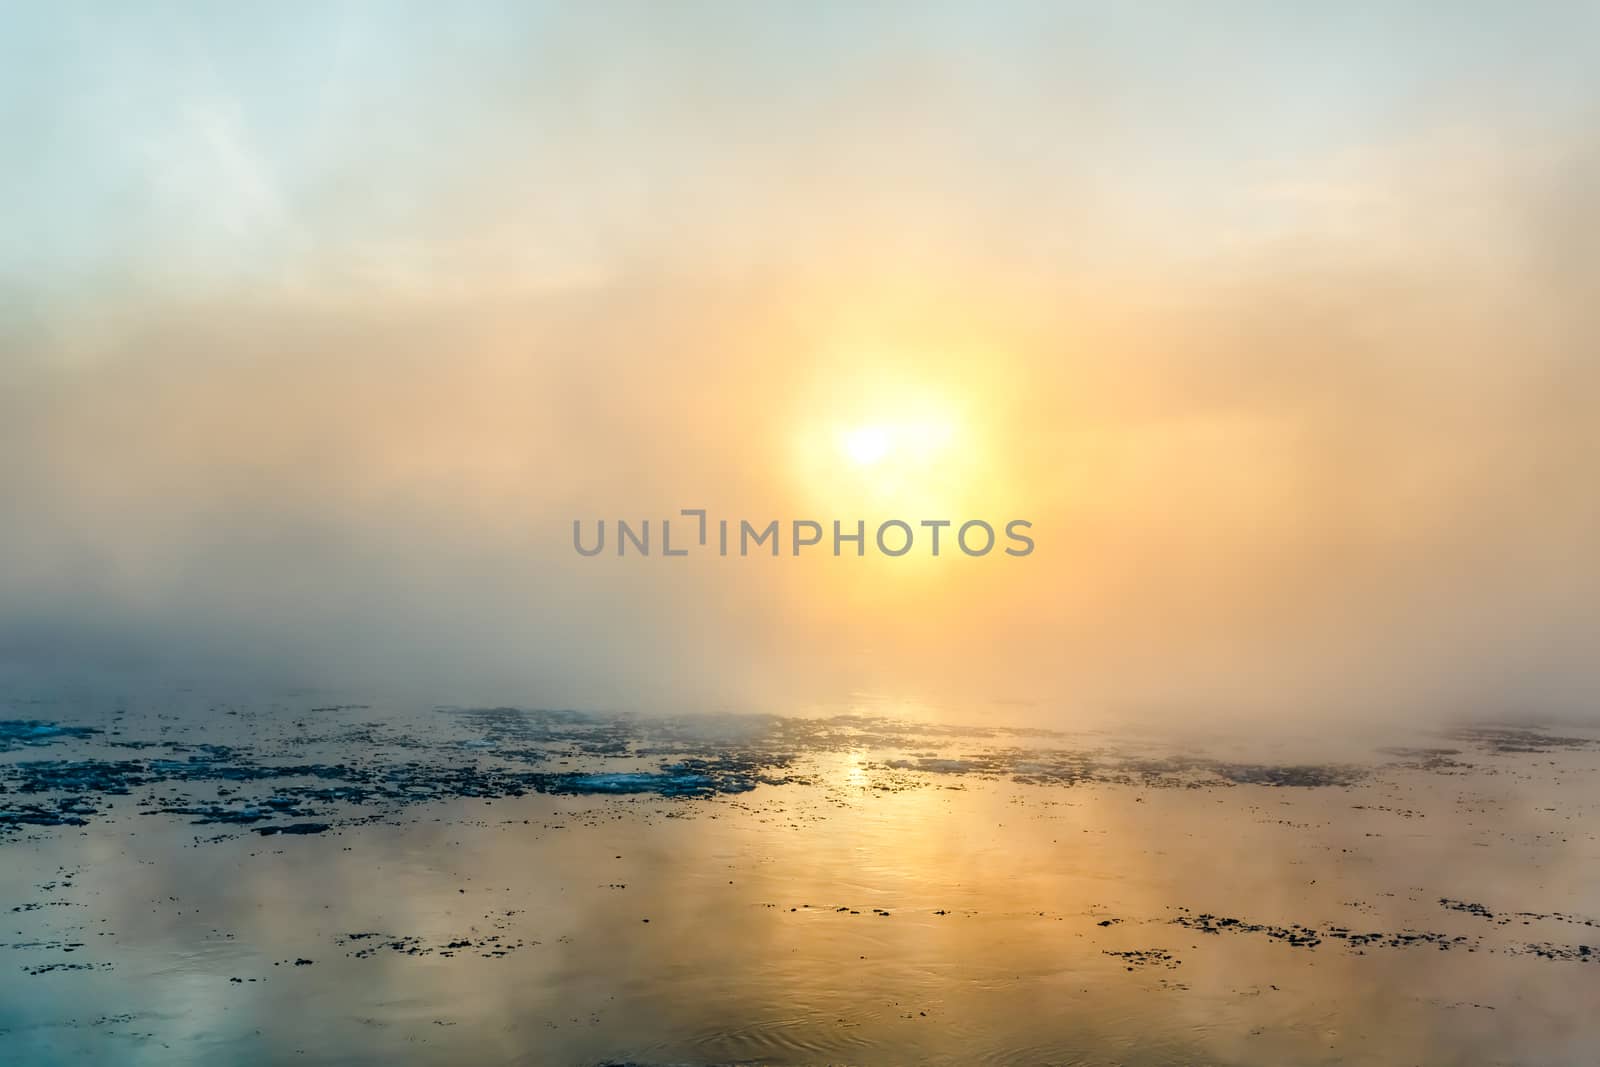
(319, 333)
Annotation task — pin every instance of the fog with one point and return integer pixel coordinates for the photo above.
(317, 341)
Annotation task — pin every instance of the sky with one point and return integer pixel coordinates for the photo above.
(321, 323)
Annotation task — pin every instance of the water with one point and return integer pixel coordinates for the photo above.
(264, 883)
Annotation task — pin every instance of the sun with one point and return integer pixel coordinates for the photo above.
(894, 459)
(886, 446)
(906, 443)
(866, 445)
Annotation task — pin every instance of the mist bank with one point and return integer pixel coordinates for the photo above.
(304, 380)
(1279, 498)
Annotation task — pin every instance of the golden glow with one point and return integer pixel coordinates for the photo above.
(866, 445)
(884, 441)
(908, 443)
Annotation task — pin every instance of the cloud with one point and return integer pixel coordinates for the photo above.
(1302, 428)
